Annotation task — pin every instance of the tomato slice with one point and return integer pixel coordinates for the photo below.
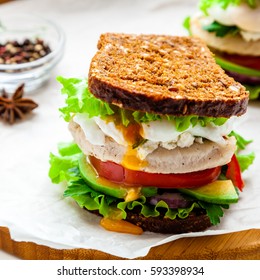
(118, 174)
(234, 173)
(108, 169)
(249, 61)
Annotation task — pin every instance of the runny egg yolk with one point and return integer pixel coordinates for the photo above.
(132, 134)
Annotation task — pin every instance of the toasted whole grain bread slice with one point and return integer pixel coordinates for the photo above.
(198, 220)
(165, 75)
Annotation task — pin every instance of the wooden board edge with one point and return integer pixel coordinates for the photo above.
(197, 248)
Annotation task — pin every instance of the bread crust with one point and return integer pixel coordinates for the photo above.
(165, 75)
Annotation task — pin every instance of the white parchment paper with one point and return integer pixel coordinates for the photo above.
(30, 205)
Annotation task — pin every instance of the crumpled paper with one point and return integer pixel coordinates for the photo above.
(31, 206)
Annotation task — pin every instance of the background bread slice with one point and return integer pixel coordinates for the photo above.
(165, 75)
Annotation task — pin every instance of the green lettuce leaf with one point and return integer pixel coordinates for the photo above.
(221, 30)
(214, 211)
(68, 149)
(154, 211)
(64, 167)
(113, 207)
(241, 141)
(141, 117)
(254, 91)
(244, 160)
(204, 5)
(80, 100)
(186, 25)
(90, 199)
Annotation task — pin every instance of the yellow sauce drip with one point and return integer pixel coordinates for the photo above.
(132, 135)
(133, 194)
(120, 226)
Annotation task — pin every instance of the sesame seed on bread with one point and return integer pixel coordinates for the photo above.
(164, 75)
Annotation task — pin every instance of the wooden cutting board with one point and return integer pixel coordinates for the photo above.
(4, 1)
(244, 245)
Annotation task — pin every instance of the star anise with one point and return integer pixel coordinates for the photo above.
(15, 107)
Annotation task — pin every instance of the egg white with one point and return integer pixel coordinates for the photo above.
(92, 131)
(243, 16)
(165, 131)
(160, 133)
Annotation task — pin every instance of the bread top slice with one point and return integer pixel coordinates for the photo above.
(164, 75)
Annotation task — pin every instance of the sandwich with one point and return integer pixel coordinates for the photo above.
(231, 30)
(153, 142)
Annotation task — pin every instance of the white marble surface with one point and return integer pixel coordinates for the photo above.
(32, 207)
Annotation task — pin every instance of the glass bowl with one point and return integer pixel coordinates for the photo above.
(35, 73)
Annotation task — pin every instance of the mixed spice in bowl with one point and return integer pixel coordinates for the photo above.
(30, 47)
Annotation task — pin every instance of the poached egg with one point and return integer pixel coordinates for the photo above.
(242, 16)
(160, 133)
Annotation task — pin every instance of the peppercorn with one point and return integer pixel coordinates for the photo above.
(14, 52)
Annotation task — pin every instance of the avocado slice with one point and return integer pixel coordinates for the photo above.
(218, 192)
(109, 188)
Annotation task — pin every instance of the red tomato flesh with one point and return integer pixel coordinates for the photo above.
(248, 61)
(234, 173)
(118, 174)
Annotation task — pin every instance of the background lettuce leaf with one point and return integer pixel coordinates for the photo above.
(204, 5)
(186, 25)
(221, 30)
(254, 91)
